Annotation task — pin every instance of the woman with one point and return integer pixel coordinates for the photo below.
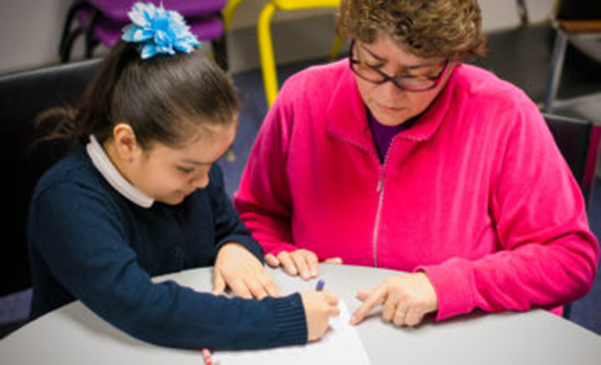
(404, 157)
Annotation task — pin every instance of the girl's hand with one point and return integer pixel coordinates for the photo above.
(319, 307)
(242, 272)
(406, 299)
(300, 262)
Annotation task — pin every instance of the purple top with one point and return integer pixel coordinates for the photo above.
(383, 134)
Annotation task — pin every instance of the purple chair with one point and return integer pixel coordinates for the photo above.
(102, 21)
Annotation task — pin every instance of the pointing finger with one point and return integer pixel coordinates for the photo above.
(377, 297)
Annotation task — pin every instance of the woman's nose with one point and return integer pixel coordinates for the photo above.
(389, 89)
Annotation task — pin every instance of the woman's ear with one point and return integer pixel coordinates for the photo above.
(125, 142)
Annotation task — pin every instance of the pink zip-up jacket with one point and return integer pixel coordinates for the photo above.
(475, 193)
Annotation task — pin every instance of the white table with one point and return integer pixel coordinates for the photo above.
(74, 335)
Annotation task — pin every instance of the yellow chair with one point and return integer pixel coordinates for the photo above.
(268, 67)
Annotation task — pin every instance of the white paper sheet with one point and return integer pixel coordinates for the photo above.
(340, 345)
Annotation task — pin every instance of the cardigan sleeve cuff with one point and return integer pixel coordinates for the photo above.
(452, 287)
(289, 315)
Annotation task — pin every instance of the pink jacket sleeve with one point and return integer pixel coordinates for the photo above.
(263, 199)
(548, 256)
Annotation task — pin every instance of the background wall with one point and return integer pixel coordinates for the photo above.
(30, 31)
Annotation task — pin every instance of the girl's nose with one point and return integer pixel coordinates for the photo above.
(201, 181)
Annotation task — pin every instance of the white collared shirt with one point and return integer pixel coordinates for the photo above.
(105, 166)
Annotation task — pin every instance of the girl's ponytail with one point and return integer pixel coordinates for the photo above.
(92, 115)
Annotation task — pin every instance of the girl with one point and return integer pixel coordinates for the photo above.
(140, 196)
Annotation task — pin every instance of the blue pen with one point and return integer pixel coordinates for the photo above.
(320, 285)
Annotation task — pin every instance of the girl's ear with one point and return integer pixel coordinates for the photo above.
(125, 142)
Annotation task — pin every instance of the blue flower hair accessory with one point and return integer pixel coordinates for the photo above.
(158, 31)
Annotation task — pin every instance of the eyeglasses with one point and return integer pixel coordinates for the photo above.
(408, 83)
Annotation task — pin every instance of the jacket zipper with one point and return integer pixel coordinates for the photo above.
(379, 190)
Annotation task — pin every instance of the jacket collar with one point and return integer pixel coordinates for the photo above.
(347, 117)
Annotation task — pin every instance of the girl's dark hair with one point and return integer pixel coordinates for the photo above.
(165, 99)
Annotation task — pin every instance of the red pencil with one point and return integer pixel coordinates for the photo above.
(206, 354)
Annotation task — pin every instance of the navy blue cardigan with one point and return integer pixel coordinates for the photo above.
(88, 242)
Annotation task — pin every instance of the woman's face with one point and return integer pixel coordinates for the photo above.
(169, 175)
(388, 103)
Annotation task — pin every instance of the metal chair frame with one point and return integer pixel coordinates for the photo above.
(265, 43)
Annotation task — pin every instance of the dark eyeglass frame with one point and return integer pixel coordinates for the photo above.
(395, 80)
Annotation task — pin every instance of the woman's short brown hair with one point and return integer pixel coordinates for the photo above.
(424, 28)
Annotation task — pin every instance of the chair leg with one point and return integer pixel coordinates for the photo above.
(220, 46)
(336, 47)
(89, 32)
(557, 60)
(523, 11)
(270, 79)
(75, 7)
(588, 179)
(220, 52)
(228, 12)
(567, 311)
(70, 39)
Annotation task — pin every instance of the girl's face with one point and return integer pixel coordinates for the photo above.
(389, 104)
(169, 175)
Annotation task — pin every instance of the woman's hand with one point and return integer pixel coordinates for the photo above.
(300, 262)
(406, 299)
(319, 307)
(242, 272)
